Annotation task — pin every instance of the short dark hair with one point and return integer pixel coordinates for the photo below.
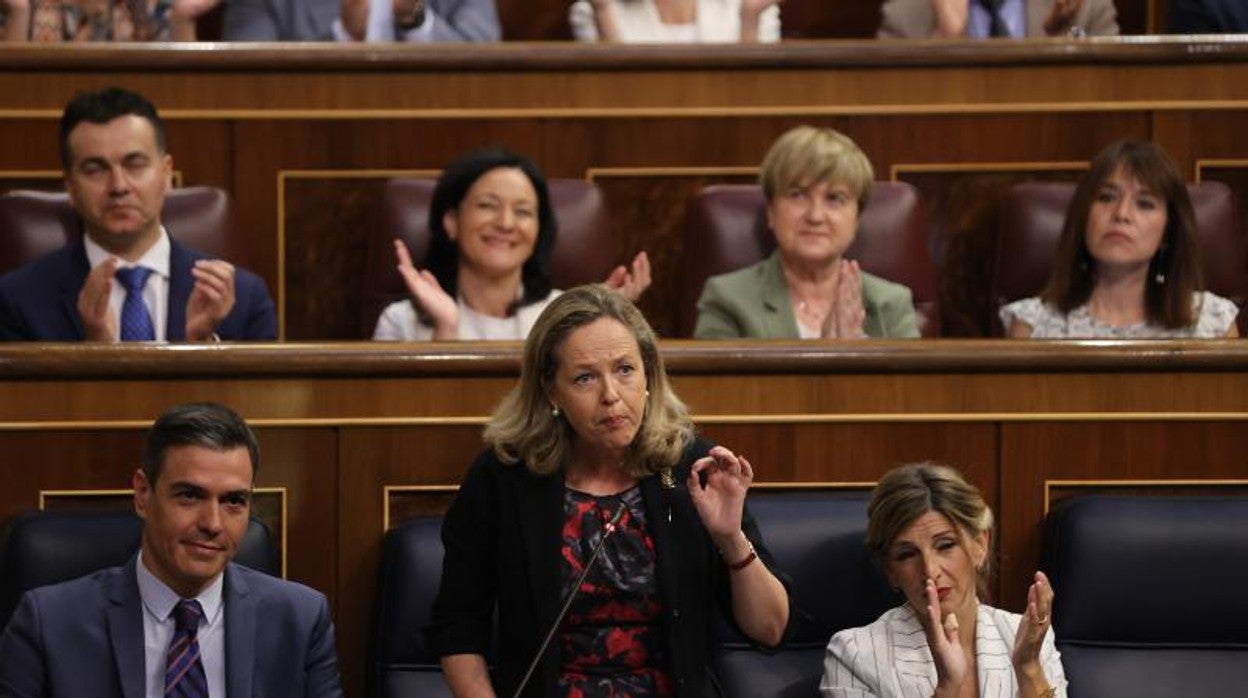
(1177, 261)
(102, 107)
(206, 424)
(449, 193)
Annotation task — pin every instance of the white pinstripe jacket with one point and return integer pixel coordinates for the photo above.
(890, 658)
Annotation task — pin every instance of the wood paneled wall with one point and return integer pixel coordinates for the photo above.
(356, 437)
(304, 136)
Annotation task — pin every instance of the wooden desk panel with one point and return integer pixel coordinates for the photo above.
(359, 436)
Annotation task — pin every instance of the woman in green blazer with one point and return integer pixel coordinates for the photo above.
(816, 181)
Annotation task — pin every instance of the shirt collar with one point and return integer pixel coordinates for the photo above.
(159, 599)
(156, 258)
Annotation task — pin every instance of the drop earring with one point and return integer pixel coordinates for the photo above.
(554, 411)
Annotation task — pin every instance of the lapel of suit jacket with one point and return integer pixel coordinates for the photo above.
(662, 507)
(125, 629)
(180, 284)
(539, 502)
(240, 634)
(76, 270)
(779, 319)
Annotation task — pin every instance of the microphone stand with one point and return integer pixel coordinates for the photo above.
(609, 528)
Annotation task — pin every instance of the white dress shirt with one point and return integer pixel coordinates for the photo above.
(155, 291)
(381, 26)
(158, 628)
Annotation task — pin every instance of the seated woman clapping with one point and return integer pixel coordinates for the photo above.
(487, 275)
(816, 181)
(1127, 263)
(932, 531)
(592, 436)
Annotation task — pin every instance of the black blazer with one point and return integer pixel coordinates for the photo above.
(502, 540)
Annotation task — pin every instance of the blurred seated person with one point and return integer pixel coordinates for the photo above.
(816, 182)
(917, 19)
(675, 21)
(487, 273)
(126, 277)
(1208, 16)
(101, 20)
(932, 533)
(361, 20)
(591, 438)
(1127, 263)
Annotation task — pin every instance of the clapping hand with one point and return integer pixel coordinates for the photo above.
(847, 315)
(952, 667)
(427, 295)
(1034, 625)
(632, 281)
(1062, 17)
(951, 17)
(212, 298)
(717, 485)
(99, 323)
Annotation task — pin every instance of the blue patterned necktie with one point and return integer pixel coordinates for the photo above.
(136, 321)
(184, 671)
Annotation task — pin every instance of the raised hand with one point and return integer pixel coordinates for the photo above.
(427, 294)
(212, 298)
(952, 667)
(721, 500)
(354, 14)
(99, 324)
(632, 281)
(182, 16)
(847, 315)
(951, 17)
(1034, 625)
(1062, 17)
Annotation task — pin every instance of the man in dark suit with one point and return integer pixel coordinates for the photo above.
(126, 277)
(179, 619)
(1208, 16)
(372, 20)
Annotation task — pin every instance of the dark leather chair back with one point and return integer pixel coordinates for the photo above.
(48, 547)
(1149, 594)
(817, 539)
(411, 571)
(585, 249)
(33, 223)
(726, 229)
(1032, 215)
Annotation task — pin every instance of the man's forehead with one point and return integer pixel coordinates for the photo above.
(124, 136)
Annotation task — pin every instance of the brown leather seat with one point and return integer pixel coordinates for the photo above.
(1032, 214)
(585, 251)
(33, 223)
(726, 229)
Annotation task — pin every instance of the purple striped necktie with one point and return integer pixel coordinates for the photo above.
(184, 671)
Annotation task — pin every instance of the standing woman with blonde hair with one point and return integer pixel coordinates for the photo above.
(932, 533)
(592, 440)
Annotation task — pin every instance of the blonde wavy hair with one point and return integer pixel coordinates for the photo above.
(522, 428)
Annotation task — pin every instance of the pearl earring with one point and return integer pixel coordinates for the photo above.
(554, 410)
